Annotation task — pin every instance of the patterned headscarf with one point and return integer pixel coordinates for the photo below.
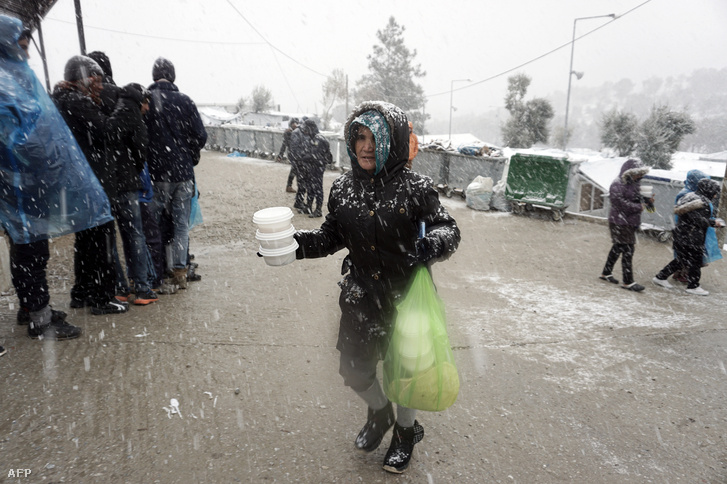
(376, 122)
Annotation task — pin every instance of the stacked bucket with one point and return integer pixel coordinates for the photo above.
(275, 234)
(415, 342)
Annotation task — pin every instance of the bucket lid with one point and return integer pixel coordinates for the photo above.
(272, 215)
(279, 251)
(275, 235)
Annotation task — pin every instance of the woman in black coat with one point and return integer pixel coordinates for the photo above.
(695, 216)
(374, 211)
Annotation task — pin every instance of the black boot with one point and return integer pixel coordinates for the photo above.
(316, 213)
(378, 423)
(402, 445)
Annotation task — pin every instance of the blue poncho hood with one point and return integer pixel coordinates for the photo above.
(47, 187)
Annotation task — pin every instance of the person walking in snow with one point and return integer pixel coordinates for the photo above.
(299, 153)
(695, 211)
(690, 185)
(374, 211)
(319, 157)
(624, 219)
(292, 124)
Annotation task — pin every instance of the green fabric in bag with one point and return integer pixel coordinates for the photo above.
(419, 369)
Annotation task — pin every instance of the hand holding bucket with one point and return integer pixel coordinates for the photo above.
(276, 235)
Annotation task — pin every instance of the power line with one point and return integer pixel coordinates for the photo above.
(468, 86)
(270, 44)
(158, 37)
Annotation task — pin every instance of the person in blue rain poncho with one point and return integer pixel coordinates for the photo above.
(47, 188)
(374, 211)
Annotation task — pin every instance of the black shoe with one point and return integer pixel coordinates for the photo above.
(402, 445)
(112, 307)
(609, 278)
(144, 298)
(2, 351)
(77, 303)
(633, 287)
(55, 330)
(24, 316)
(378, 423)
(316, 214)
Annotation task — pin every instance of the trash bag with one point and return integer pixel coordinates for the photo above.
(498, 201)
(419, 368)
(478, 193)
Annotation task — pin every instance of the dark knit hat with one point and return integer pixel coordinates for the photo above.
(136, 92)
(80, 67)
(163, 69)
(102, 60)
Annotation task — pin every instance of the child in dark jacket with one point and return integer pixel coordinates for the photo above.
(624, 219)
(695, 216)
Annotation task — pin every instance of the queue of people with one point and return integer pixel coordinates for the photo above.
(88, 159)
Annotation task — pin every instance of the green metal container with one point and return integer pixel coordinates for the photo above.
(540, 181)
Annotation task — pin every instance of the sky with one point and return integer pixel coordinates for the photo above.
(222, 49)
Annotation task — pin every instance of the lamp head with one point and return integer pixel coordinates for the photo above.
(578, 74)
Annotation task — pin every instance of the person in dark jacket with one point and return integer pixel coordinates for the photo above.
(126, 147)
(317, 157)
(695, 212)
(292, 124)
(690, 185)
(624, 219)
(298, 153)
(176, 137)
(374, 212)
(78, 100)
(110, 93)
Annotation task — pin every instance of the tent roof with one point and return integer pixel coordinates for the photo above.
(29, 11)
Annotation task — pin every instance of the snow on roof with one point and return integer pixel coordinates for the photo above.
(459, 139)
(215, 113)
(603, 171)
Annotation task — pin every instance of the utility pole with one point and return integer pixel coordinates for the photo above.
(79, 25)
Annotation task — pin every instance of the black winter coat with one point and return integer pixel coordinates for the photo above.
(127, 142)
(176, 134)
(694, 220)
(109, 95)
(88, 124)
(376, 217)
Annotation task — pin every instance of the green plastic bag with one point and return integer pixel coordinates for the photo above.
(419, 369)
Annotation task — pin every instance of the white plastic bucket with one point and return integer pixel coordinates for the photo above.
(276, 240)
(281, 256)
(646, 190)
(273, 219)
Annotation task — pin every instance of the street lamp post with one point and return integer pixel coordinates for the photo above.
(451, 108)
(571, 72)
